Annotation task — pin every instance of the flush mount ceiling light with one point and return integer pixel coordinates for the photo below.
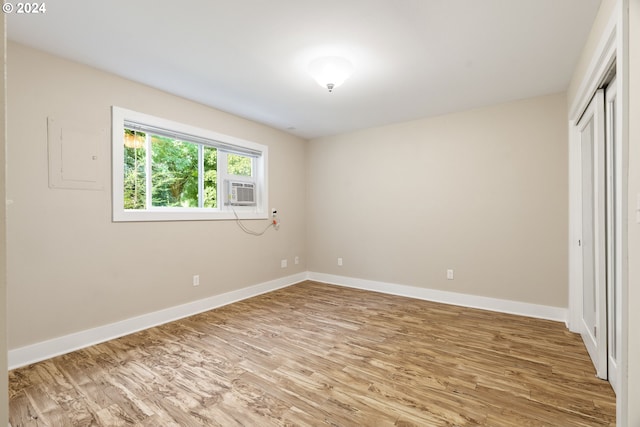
(330, 71)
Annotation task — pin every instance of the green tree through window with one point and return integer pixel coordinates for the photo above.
(210, 177)
(239, 165)
(175, 179)
(135, 159)
(174, 173)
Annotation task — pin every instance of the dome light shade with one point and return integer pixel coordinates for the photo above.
(330, 71)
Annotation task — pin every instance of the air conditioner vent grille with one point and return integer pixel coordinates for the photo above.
(242, 193)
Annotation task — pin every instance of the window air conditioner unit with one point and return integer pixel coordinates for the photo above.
(241, 193)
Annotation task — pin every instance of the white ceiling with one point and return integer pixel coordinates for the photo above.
(412, 58)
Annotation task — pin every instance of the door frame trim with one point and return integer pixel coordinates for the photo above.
(614, 202)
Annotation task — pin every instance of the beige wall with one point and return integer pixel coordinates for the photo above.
(69, 267)
(483, 192)
(633, 298)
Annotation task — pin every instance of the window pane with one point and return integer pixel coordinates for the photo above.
(135, 158)
(174, 173)
(239, 165)
(210, 177)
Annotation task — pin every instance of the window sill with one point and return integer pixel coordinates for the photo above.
(187, 215)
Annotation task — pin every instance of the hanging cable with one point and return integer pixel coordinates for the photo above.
(273, 223)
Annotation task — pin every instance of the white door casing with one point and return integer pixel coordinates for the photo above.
(614, 236)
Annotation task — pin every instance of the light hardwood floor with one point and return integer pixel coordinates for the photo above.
(320, 355)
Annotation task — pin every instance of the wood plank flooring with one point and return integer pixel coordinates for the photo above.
(319, 355)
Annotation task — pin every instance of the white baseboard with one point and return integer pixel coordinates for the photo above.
(558, 314)
(54, 347)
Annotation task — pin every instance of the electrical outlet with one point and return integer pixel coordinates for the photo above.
(449, 274)
(283, 263)
(196, 280)
(340, 262)
(296, 260)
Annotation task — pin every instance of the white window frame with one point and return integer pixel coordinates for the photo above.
(224, 143)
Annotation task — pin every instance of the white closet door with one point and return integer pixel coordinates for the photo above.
(593, 242)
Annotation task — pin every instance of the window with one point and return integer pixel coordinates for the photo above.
(164, 170)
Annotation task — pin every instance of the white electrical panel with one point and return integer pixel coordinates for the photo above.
(75, 159)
